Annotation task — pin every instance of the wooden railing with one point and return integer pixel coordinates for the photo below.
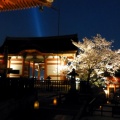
(46, 85)
(53, 85)
(103, 109)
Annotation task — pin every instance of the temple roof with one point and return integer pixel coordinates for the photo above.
(7, 5)
(52, 44)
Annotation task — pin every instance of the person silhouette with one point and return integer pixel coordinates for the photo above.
(48, 81)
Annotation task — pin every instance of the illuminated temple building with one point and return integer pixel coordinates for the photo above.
(36, 57)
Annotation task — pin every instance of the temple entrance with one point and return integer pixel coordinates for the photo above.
(33, 62)
(36, 71)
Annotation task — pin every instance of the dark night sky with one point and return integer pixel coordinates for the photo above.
(83, 17)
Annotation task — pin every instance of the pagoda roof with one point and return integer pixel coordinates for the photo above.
(52, 44)
(8, 5)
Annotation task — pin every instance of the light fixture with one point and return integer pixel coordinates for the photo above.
(50, 1)
(36, 105)
(54, 101)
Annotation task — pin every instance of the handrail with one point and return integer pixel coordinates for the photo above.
(92, 101)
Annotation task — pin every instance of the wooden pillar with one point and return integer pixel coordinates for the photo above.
(45, 67)
(62, 63)
(39, 69)
(33, 70)
(29, 70)
(9, 61)
(23, 64)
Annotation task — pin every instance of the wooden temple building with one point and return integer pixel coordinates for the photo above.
(36, 57)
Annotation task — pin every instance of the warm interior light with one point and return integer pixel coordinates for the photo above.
(100, 107)
(54, 101)
(50, 1)
(106, 92)
(111, 85)
(36, 105)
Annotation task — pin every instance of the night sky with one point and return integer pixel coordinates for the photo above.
(83, 17)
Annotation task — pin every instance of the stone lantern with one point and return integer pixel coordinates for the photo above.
(73, 75)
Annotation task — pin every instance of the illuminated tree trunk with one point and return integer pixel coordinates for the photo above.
(88, 79)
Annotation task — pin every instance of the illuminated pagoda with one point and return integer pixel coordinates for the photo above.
(7, 5)
(36, 57)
